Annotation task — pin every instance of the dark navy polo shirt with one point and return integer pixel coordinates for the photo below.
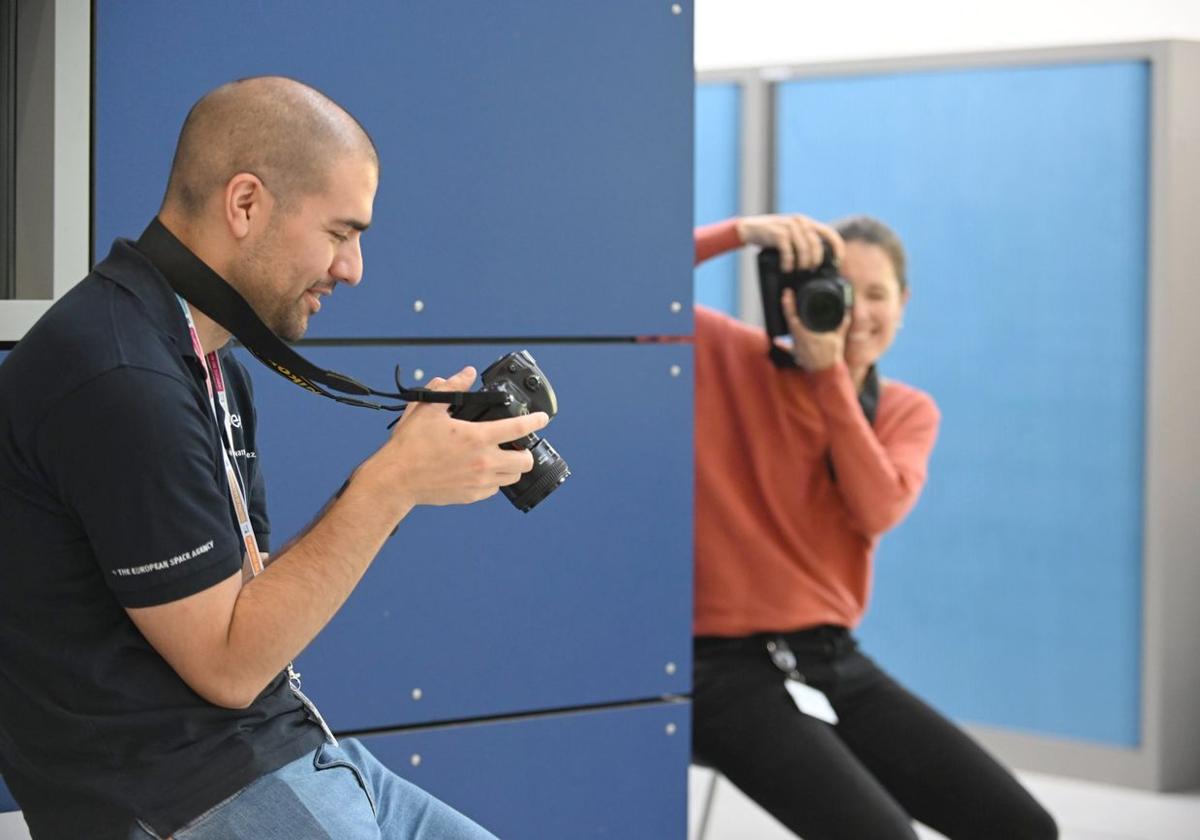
(112, 495)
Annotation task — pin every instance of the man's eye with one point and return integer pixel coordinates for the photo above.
(340, 237)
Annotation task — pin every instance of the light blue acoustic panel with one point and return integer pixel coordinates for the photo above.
(586, 599)
(1013, 595)
(536, 167)
(611, 773)
(718, 186)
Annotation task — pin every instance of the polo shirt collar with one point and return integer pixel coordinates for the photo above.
(135, 272)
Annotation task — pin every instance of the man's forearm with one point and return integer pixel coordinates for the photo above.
(279, 612)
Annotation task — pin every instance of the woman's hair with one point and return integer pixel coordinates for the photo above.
(874, 232)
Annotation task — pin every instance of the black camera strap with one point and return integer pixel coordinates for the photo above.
(193, 280)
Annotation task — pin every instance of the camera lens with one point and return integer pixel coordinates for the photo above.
(549, 471)
(822, 304)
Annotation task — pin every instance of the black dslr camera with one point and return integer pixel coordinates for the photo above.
(822, 296)
(526, 389)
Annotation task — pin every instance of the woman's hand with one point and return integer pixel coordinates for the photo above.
(813, 350)
(801, 241)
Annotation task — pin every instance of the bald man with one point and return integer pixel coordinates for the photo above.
(144, 679)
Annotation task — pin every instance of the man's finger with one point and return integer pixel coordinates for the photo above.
(460, 381)
(511, 428)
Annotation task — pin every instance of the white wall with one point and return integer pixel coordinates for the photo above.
(741, 33)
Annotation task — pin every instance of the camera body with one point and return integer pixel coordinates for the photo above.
(823, 297)
(526, 389)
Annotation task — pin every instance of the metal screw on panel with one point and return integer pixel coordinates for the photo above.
(676, 306)
(418, 305)
(670, 669)
(532, 382)
(670, 729)
(676, 370)
(417, 694)
(676, 9)
(418, 374)
(415, 761)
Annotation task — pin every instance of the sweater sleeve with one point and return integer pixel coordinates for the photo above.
(879, 476)
(715, 239)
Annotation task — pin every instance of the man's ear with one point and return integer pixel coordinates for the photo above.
(247, 204)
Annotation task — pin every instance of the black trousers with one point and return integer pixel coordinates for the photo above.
(889, 760)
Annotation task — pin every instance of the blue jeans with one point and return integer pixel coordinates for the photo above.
(341, 793)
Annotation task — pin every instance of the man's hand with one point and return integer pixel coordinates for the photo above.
(434, 459)
(801, 241)
(813, 350)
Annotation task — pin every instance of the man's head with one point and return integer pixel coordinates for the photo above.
(272, 185)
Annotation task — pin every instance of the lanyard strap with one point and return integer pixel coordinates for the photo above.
(215, 383)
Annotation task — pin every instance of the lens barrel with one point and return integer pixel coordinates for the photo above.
(549, 471)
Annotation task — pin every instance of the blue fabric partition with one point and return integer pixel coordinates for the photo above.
(718, 186)
(1013, 595)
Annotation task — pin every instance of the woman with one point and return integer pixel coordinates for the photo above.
(794, 486)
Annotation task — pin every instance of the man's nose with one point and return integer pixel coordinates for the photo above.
(348, 264)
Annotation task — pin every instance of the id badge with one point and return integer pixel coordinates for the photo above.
(811, 701)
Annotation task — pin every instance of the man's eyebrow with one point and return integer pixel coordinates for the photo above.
(353, 223)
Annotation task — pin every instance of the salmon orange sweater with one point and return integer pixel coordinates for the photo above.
(780, 543)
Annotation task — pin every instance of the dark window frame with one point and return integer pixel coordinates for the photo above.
(8, 147)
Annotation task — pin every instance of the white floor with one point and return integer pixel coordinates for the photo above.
(1084, 811)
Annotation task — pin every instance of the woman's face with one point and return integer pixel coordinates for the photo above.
(878, 303)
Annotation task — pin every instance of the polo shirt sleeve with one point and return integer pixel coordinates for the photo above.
(135, 458)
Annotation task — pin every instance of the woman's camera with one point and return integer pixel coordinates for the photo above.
(526, 389)
(822, 296)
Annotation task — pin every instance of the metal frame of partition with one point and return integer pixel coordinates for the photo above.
(8, 133)
(51, 218)
(1169, 755)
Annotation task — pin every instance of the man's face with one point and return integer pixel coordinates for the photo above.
(306, 251)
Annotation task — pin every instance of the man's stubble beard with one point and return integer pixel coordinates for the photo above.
(285, 318)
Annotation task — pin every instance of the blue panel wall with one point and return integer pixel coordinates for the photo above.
(535, 170)
(487, 610)
(536, 181)
(1013, 595)
(611, 773)
(718, 186)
